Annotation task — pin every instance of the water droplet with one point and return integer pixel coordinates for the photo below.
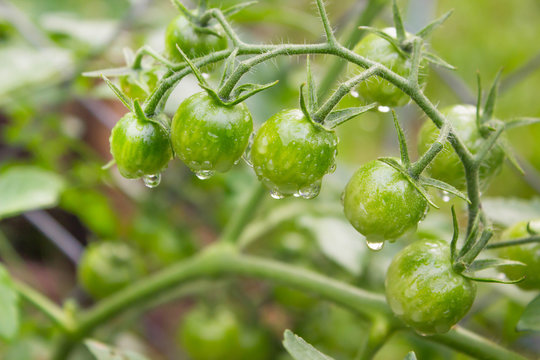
(247, 153)
(276, 194)
(152, 181)
(354, 93)
(445, 196)
(383, 109)
(342, 198)
(205, 75)
(375, 245)
(204, 174)
(310, 191)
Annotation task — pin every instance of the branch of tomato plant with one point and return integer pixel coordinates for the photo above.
(520, 241)
(223, 260)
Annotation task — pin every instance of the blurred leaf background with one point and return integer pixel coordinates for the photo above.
(54, 120)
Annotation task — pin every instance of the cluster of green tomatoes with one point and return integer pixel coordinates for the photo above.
(290, 154)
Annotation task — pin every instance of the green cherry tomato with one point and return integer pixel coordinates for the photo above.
(139, 84)
(446, 166)
(107, 267)
(209, 136)
(291, 154)
(375, 89)
(192, 42)
(381, 203)
(529, 254)
(139, 147)
(423, 290)
(210, 334)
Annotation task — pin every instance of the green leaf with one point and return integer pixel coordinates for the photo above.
(338, 241)
(104, 352)
(300, 349)
(25, 188)
(338, 117)
(396, 165)
(410, 356)
(441, 185)
(429, 28)
(530, 320)
(435, 59)
(9, 306)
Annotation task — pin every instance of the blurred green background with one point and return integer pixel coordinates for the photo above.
(54, 119)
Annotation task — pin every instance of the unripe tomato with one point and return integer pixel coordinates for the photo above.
(107, 267)
(529, 254)
(139, 147)
(209, 136)
(291, 154)
(210, 334)
(424, 291)
(140, 84)
(446, 166)
(376, 89)
(381, 203)
(192, 42)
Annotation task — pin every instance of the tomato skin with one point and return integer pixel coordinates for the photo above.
(376, 89)
(107, 267)
(209, 136)
(210, 335)
(423, 290)
(291, 154)
(446, 166)
(381, 203)
(193, 43)
(139, 147)
(140, 84)
(529, 254)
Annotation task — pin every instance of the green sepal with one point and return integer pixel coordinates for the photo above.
(185, 11)
(478, 101)
(398, 23)
(303, 106)
(119, 94)
(393, 41)
(491, 280)
(393, 163)
(455, 234)
(509, 152)
(228, 67)
(313, 102)
(519, 122)
(129, 56)
(238, 7)
(247, 91)
(476, 248)
(139, 112)
(206, 30)
(338, 117)
(404, 152)
(489, 107)
(483, 264)
(441, 185)
(194, 69)
(471, 236)
(429, 28)
(437, 60)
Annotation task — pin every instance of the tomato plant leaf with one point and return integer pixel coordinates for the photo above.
(9, 306)
(530, 320)
(104, 352)
(25, 188)
(300, 349)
